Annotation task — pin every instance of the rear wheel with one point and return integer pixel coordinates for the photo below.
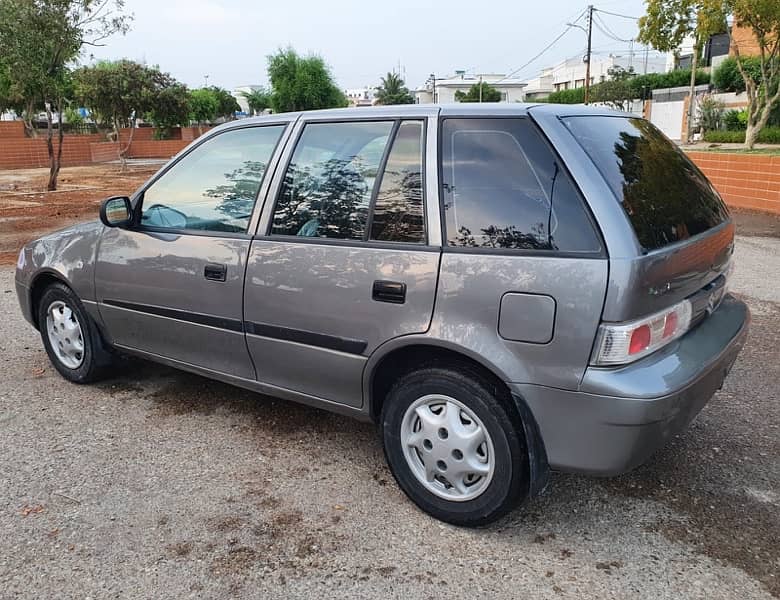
(452, 446)
(69, 335)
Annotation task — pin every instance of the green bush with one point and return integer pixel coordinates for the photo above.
(575, 96)
(727, 78)
(639, 85)
(768, 135)
(725, 137)
(735, 120)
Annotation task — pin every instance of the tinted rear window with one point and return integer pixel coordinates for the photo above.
(666, 197)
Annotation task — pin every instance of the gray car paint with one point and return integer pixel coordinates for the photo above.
(579, 410)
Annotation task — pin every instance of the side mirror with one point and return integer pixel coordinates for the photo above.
(116, 211)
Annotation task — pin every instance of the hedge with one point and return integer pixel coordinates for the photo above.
(768, 135)
(639, 84)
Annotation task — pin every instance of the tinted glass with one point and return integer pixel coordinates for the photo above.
(499, 178)
(328, 184)
(665, 196)
(398, 212)
(214, 187)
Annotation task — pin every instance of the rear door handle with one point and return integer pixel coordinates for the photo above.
(393, 292)
(215, 272)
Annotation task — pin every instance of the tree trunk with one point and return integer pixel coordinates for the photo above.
(123, 151)
(200, 129)
(27, 119)
(692, 94)
(54, 159)
(751, 135)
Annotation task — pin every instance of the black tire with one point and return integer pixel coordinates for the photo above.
(509, 483)
(95, 357)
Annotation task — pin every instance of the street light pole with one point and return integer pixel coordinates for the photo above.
(587, 56)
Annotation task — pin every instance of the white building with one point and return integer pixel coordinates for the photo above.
(445, 88)
(570, 73)
(360, 96)
(238, 94)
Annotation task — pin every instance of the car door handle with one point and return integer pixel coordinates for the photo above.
(389, 291)
(215, 272)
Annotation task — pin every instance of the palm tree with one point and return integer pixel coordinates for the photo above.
(393, 91)
(258, 100)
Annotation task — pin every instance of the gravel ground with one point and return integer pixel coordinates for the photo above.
(161, 484)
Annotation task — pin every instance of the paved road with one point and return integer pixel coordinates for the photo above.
(159, 484)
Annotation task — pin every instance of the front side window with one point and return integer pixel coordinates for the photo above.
(214, 187)
(327, 189)
(504, 188)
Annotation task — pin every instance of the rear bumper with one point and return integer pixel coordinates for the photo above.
(622, 415)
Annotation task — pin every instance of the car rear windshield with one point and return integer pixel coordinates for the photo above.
(666, 197)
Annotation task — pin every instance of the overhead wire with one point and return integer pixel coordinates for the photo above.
(546, 48)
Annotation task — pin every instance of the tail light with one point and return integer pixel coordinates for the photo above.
(623, 343)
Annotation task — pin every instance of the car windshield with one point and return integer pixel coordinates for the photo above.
(664, 195)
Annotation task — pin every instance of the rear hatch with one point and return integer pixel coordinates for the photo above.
(681, 224)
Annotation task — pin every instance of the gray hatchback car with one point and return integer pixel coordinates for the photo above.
(504, 289)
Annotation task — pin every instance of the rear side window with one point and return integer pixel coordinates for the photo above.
(398, 212)
(504, 188)
(664, 195)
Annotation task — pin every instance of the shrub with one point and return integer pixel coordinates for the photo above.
(725, 137)
(710, 113)
(727, 78)
(575, 96)
(735, 120)
(768, 135)
(638, 84)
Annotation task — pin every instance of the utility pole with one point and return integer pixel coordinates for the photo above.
(480, 89)
(587, 55)
(433, 80)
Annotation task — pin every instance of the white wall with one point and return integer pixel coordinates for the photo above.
(668, 117)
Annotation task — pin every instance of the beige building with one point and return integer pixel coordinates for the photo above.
(444, 88)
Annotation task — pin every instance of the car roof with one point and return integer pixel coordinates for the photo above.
(486, 109)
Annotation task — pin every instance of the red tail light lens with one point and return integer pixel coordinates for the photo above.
(640, 339)
(626, 342)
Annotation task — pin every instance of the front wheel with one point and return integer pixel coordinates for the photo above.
(453, 447)
(70, 337)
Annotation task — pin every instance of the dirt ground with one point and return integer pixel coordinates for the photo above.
(27, 210)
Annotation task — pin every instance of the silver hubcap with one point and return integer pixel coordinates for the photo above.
(65, 336)
(447, 447)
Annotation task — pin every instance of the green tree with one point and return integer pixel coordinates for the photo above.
(763, 19)
(667, 23)
(39, 41)
(666, 19)
(301, 83)
(479, 92)
(616, 91)
(203, 106)
(258, 100)
(727, 78)
(116, 93)
(227, 105)
(393, 91)
(171, 106)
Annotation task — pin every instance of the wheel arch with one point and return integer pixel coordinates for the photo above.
(42, 280)
(406, 354)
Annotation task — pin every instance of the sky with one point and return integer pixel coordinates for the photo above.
(229, 40)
